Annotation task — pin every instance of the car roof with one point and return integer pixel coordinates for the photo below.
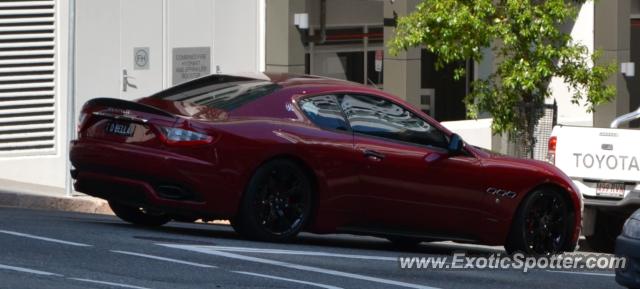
(292, 79)
(318, 84)
(285, 80)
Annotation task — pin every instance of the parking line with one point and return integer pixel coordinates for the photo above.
(27, 270)
(205, 250)
(305, 253)
(108, 283)
(44, 273)
(287, 279)
(43, 238)
(164, 259)
(584, 273)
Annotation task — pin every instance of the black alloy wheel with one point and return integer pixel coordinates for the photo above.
(277, 203)
(542, 225)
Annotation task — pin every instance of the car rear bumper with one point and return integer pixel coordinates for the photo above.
(148, 177)
(630, 275)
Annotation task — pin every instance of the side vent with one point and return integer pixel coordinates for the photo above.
(27, 77)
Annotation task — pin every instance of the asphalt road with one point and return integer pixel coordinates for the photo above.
(44, 249)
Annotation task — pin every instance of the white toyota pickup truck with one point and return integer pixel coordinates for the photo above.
(604, 163)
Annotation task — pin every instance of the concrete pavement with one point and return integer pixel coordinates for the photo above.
(30, 196)
(48, 249)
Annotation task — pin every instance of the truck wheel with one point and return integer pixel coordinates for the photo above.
(542, 225)
(139, 216)
(606, 231)
(277, 203)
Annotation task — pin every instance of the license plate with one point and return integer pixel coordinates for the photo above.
(610, 190)
(120, 128)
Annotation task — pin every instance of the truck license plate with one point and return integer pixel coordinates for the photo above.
(610, 190)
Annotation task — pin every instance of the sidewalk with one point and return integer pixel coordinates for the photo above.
(30, 196)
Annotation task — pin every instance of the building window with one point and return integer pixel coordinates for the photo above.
(447, 94)
(342, 55)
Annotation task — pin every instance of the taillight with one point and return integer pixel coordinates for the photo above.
(551, 154)
(183, 137)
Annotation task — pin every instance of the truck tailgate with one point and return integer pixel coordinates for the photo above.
(599, 153)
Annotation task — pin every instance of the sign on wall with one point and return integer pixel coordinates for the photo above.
(140, 58)
(190, 63)
(378, 62)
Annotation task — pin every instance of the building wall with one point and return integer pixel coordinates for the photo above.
(284, 49)
(107, 31)
(341, 13)
(238, 45)
(48, 166)
(612, 37)
(581, 32)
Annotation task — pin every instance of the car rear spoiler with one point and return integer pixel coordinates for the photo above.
(124, 104)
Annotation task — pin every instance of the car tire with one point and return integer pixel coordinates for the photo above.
(606, 231)
(277, 203)
(138, 216)
(540, 210)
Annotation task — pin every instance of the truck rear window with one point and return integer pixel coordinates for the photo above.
(221, 92)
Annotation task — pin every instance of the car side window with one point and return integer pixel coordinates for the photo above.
(382, 118)
(324, 111)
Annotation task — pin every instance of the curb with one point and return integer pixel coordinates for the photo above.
(80, 204)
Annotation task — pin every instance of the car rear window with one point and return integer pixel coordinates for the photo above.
(225, 93)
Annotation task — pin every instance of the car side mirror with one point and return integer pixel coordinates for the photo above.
(455, 144)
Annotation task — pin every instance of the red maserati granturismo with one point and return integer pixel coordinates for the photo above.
(283, 153)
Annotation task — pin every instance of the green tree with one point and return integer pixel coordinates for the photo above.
(530, 48)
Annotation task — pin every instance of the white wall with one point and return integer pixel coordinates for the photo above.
(98, 69)
(188, 23)
(474, 132)
(48, 169)
(237, 45)
(569, 113)
(231, 28)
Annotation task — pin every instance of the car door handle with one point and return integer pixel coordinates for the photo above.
(373, 155)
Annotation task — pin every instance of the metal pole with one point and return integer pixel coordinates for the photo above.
(467, 80)
(365, 59)
(312, 50)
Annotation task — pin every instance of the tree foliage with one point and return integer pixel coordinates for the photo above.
(530, 47)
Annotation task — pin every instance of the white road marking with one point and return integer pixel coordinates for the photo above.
(304, 253)
(43, 238)
(287, 279)
(206, 250)
(164, 259)
(584, 273)
(108, 283)
(26, 270)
